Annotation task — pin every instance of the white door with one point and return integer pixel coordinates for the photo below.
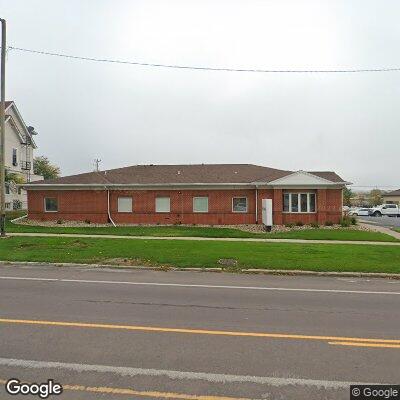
(267, 212)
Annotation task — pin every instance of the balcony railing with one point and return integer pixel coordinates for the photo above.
(26, 165)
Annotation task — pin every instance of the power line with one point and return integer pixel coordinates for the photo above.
(204, 68)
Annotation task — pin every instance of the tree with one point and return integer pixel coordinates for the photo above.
(347, 195)
(375, 197)
(12, 177)
(42, 166)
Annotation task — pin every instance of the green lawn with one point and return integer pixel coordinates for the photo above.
(317, 257)
(196, 231)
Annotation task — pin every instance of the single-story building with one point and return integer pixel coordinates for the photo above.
(392, 197)
(212, 194)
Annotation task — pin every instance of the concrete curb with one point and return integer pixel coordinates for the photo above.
(293, 272)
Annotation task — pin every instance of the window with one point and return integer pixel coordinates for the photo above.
(163, 204)
(311, 202)
(286, 202)
(299, 202)
(7, 188)
(50, 204)
(125, 204)
(200, 204)
(294, 197)
(14, 157)
(303, 202)
(239, 204)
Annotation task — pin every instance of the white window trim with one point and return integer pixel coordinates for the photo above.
(200, 197)
(163, 212)
(124, 197)
(45, 208)
(299, 203)
(247, 204)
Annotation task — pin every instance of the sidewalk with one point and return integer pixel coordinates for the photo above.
(381, 229)
(303, 241)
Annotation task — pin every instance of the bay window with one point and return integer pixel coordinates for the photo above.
(299, 202)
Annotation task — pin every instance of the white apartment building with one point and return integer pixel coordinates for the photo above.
(19, 148)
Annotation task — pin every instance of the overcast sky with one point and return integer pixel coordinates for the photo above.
(129, 115)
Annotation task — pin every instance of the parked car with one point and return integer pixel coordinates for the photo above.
(359, 211)
(392, 210)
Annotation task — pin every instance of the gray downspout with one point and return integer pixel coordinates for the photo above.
(256, 205)
(108, 206)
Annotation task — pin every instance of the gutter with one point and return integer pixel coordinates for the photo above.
(177, 185)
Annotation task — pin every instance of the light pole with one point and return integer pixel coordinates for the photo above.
(2, 130)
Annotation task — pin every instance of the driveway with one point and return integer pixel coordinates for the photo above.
(389, 222)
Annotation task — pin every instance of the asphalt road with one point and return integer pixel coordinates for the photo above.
(203, 336)
(389, 222)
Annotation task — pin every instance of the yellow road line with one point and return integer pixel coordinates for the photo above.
(389, 346)
(195, 331)
(132, 392)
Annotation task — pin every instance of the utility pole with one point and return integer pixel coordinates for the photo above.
(3, 130)
(97, 162)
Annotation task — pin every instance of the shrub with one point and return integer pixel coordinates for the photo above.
(314, 225)
(345, 223)
(88, 221)
(299, 223)
(17, 204)
(60, 221)
(328, 223)
(289, 225)
(353, 220)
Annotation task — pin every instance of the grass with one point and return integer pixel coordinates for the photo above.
(210, 232)
(180, 253)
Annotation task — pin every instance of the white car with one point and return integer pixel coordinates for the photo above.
(392, 210)
(360, 211)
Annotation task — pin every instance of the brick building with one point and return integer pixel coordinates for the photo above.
(218, 194)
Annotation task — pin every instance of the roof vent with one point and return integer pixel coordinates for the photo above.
(179, 172)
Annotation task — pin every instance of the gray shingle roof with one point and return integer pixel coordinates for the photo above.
(393, 193)
(182, 174)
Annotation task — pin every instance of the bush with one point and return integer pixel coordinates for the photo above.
(328, 223)
(299, 223)
(314, 225)
(289, 225)
(60, 221)
(345, 223)
(88, 221)
(17, 204)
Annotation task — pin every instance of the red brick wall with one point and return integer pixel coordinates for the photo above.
(73, 205)
(219, 207)
(92, 205)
